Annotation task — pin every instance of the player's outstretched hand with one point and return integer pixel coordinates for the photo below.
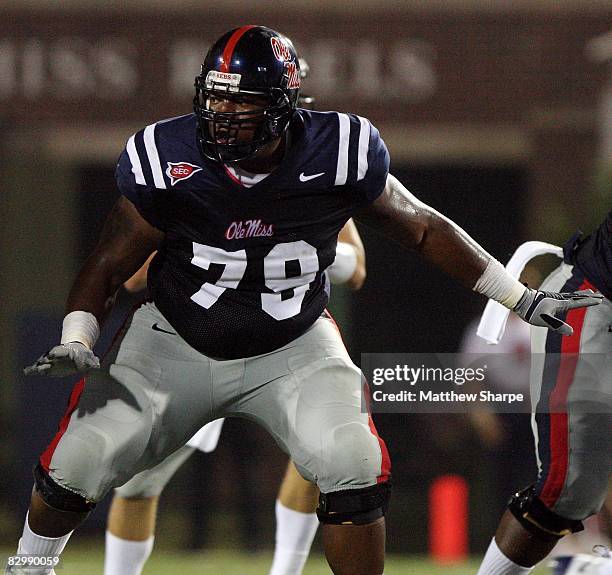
(65, 359)
(540, 307)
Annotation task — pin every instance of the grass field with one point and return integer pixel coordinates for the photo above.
(87, 561)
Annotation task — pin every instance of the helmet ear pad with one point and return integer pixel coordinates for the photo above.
(251, 60)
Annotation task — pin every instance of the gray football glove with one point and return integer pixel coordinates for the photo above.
(64, 359)
(540, 307)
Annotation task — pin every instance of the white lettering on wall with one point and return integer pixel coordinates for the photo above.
(339, 68)
(73, 68)
(67, 68)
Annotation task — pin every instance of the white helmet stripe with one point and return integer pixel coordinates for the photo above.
(156, 169)
(364, 145)
(136, 167)
(343, 150)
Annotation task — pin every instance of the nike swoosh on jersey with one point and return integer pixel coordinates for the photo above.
(156, 327)
(304, 178)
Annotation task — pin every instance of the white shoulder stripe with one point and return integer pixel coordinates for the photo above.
(343, 150)
(174, 118)
(364, 146)
(136, 167)
(149, 140)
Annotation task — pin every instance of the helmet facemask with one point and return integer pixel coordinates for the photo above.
(224, 136)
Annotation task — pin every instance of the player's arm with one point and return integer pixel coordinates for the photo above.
(401, 216)
(349, 266)
(126, 241)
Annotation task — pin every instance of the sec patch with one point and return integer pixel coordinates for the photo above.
(178, 171)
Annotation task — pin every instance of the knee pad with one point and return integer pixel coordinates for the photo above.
(536, 518)
(353, 457)
(354, 506)
(59, 497)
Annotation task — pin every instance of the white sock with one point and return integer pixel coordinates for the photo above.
(125, 557)
(294, 534)
(32, 544)
(496, 563)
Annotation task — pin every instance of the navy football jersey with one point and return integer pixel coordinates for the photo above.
(241, 270)
(593, 256)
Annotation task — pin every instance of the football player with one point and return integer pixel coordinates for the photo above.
(236, 326)
(571, 392)
(132, 517)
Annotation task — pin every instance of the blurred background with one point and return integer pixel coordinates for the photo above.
(499, 114)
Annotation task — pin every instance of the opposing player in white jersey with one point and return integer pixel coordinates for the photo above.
(236, 326)
(132, 517)
(571, 394)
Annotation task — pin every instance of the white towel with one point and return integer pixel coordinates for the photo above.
(493, 321)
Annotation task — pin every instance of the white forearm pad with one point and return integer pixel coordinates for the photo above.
(344, 265)
(80, 326)
(496, 283)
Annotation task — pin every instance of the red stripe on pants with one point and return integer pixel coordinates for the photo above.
(385, 464)
(385, 467)
(77, 390)
(557, 405)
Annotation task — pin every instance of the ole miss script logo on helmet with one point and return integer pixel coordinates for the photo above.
(178, 171)
(283, 54)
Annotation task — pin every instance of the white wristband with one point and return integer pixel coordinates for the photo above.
(496, 283)
(344, 265)
(80, 326)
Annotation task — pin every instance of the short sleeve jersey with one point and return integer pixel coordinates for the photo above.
(241, 270)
